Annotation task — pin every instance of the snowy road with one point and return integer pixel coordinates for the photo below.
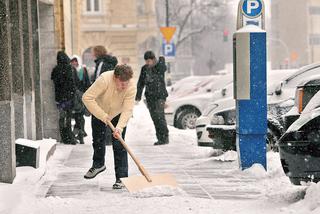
(207, 184)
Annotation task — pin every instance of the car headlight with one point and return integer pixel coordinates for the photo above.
(217, 120)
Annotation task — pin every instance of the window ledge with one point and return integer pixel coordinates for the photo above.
(93, 14)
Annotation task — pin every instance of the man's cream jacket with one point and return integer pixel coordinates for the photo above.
(103, 99)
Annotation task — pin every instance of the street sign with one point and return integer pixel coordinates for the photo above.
(251, 12)
(168, 49)
(252, 8)
(167, 33)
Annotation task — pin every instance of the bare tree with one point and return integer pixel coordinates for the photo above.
(192, 17)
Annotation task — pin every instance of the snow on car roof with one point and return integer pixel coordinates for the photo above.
(191, 85)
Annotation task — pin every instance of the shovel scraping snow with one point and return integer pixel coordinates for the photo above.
(137, 183)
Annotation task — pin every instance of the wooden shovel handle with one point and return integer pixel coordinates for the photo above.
(136, 160)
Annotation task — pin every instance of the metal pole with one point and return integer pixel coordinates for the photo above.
(167, 25)
(167, 13)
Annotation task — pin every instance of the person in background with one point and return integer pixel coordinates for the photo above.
(104, 62)
(111, 98)
(152, 78)
(82, 81)
(65, 89)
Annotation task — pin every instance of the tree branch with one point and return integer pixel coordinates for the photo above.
(192, 33)
(182, 26)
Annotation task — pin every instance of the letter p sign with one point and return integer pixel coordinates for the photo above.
(169, 50)
(252, 8)
(252, 5)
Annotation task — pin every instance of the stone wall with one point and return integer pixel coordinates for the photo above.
(48, 51)
(26, 92)
(7, 135)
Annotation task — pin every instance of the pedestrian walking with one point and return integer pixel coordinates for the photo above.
(65, 88)
(81, 78)
(152, 78)
(111, 98)
(104, 62)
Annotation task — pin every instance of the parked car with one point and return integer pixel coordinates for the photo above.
(304, 92)
(300, 145)
(209, 117)
(279, 102)
(225, 108)
(190, 85)
(182, 112)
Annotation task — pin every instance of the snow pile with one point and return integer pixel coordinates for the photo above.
(159, 191)
(256, 170)
(227, 156)
(312, 198)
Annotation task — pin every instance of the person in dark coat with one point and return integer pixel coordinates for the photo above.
(81, 78)
(104, 62)
(101, 135)
(152, 78)
(64, 94)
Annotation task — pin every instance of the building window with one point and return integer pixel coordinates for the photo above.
(93, 6)
(314, 39)
(314, 10)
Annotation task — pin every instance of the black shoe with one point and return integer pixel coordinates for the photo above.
(85, 134)
(161, 143)
(93, 172)
(118, 185)
(73, 142)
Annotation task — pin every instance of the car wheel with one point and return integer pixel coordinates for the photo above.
(272, 141)
(187, 119)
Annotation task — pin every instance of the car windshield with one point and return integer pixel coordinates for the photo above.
(302, 74)
(313, 103)
(275, 76)
(192, 85)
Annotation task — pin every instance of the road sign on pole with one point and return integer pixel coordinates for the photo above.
(251, 12)
(168, 33)
(169, 49)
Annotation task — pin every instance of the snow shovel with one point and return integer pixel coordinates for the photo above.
(137, 183)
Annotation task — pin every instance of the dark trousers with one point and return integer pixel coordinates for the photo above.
(156, 109)
(79, 126)
(65, 126)
(99, 136)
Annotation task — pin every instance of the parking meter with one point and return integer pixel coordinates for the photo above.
(250, 90)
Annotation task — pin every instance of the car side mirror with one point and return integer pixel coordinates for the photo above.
(223, 92)
(278, 90)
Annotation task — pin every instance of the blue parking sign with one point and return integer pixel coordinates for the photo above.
(252, 8)
(168, 49)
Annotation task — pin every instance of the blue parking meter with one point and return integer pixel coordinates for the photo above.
(250, 90)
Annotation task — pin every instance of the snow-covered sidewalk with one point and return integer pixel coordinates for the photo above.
(207, 184)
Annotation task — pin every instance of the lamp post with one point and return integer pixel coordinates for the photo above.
(169, 83)
(285, 47)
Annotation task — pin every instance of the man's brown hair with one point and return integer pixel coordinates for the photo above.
(123, 72)
(99, 50)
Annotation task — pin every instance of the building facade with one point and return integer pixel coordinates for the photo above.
(294, 39)
(124, 27)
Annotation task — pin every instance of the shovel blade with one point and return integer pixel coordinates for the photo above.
(136, 183)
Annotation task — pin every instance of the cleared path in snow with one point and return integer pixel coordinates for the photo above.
(198, 174)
